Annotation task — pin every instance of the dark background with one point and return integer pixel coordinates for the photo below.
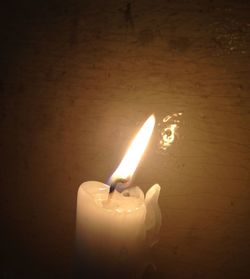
(77, 79)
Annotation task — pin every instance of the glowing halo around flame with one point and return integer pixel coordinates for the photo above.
(135, 151)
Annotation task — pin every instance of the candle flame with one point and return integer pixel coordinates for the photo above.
(135, 151)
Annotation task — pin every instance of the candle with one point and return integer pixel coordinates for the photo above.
(115, 223)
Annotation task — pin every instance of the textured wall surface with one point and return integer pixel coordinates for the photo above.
(77, 79)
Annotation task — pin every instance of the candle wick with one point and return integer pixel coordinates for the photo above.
(114, 185)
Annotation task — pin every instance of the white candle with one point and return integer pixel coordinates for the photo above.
(114, 230)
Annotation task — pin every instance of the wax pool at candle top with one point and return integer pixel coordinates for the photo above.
(129, 201)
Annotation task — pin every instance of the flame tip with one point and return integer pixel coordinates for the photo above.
(151, 118)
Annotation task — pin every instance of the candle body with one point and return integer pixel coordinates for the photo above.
(111, 229)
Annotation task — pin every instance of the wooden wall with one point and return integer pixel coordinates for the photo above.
(77, 80)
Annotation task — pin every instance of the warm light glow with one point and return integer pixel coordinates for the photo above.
(136, 149)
